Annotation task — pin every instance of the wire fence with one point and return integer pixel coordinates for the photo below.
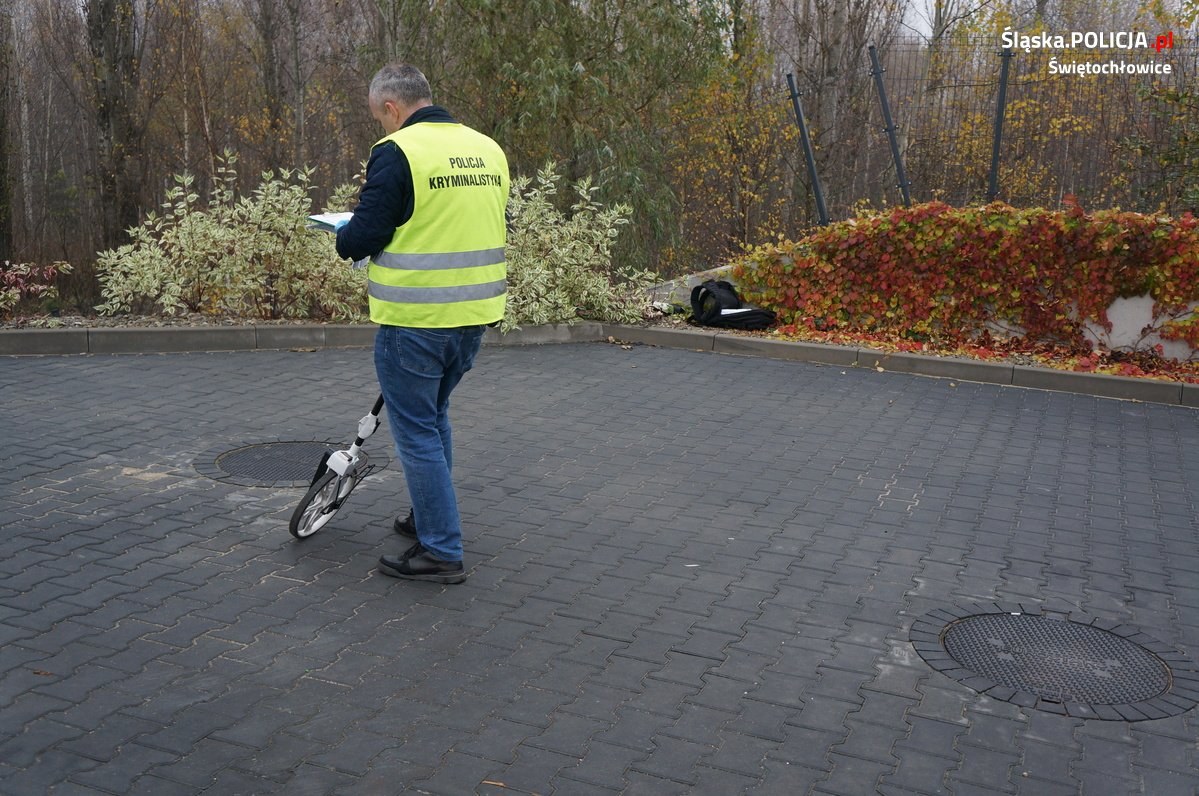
(1101, 125)
(1111, 127)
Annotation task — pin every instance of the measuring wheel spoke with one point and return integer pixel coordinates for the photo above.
(317, 507)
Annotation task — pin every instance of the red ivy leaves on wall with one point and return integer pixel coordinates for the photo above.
(937, 273)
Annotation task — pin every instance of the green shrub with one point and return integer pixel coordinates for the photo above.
(560, 266)
(933, 272)
(249, 256)
(254, 257)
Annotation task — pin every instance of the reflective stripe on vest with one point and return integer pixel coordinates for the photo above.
(435, 262)
(437, 295)
(446, 266)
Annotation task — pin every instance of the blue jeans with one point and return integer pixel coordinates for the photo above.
(418, 369)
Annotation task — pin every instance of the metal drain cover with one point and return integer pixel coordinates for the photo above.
(277, 464)
(1066, 664)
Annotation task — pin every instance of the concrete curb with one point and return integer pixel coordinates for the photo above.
(175, 339)
(1162, 392)
(785, 349)
(44, 342)
(586, 332)
(1097, 384)
(178, 339)
(40, 342)
(170, 340)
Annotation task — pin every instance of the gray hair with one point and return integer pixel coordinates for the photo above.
(400, 83)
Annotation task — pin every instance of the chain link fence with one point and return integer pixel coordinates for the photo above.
(1106, 126)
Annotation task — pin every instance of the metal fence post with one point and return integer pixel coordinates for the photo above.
(821, 209)
(1000, 106)
(877, 71)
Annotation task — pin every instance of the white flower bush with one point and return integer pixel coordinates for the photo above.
(250, 256)
(560, 266)
(254, 257)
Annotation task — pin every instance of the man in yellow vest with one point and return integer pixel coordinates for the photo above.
(430, 217)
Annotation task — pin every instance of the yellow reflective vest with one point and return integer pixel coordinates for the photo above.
(445, 266)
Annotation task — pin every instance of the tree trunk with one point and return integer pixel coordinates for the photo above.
(6, 188)
(268, 25)
(296, 22)
(112, 42)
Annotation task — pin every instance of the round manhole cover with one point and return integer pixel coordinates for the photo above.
(1064, 664)
(279, 464)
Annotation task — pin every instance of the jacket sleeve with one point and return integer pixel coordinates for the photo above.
(384, 204)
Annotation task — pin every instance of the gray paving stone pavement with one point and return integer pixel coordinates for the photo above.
(691, 573)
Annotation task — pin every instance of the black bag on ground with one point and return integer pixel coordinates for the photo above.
(716, 303)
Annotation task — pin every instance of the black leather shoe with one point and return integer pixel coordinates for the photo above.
(417, 564)
(405, 526)
(414, 549)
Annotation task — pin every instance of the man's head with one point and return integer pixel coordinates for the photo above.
(397, 91)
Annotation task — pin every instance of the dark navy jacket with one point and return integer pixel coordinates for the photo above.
(386, 199)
